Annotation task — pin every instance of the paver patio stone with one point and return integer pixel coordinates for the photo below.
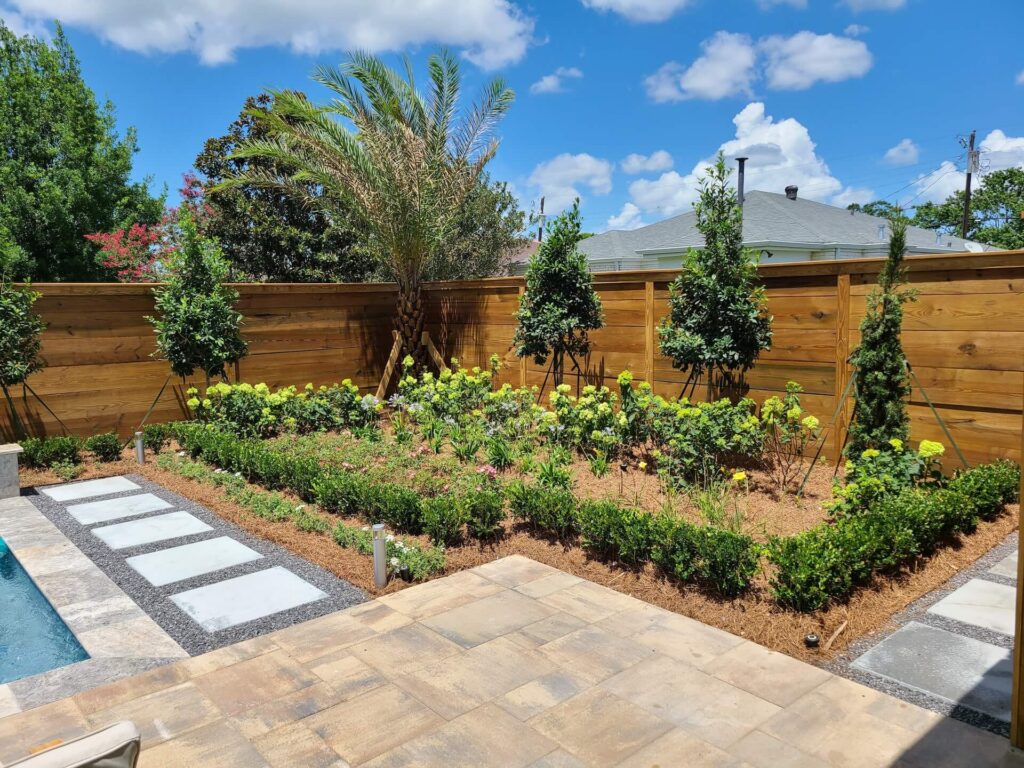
(982, 603)
(588, 601)
(515, 570)
(487, 618)
(230, 654)
(594, 654)
(289, 708)
(679, 748)
(599, 728)
(1006, 567)
(959, 669)
(256, 681)
(8, 702)
(162, 715)
(371, 724)
(540, 695)
(686, 640)
(545, 585)
(441, 595)
(378, 617)
(346, 674)
(312, 639)
(139, 637)
(218, 745)
(27, 731)
(558, 759)
(547, 629)
(487, 736)
(760, 750)
(770, 675)
(405, 649)
(295, 746)
(131, 688)
(717, 712)
(460, 683)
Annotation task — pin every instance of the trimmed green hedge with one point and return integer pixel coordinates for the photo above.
(827, 562)
(44, 452)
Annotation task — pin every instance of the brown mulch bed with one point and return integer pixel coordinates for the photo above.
(753, 616)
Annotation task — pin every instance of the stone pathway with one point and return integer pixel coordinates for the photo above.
(511, 664)
(952, 650)
(206, 582)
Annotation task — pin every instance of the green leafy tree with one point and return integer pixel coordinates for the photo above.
(486, 234)
(400, 164)
(264, 233)
(718, 323)
(20, 327)
(880, 372)
(882, 208)
(198, 327)
(64, 172)
(997, 211)
(560, 305)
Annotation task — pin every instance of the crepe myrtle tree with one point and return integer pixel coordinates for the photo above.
(20, 326)
(880, 372)
(398, 164)
(718, 323)
(560, 305)
(198, 327)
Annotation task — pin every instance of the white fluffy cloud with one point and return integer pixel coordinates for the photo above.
(798, 62)
(904, 153)
(874, 5)
(998, 151)
(640, 10)
(856, 30)
(781, 153)
(628, 218)
(490, 33)
(730, 63)
(659, 160)
(559, 179)
(725, 68)
(554, 83)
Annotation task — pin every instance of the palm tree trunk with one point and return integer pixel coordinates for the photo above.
(409, 319)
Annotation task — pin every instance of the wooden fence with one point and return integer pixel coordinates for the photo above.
(964, 337)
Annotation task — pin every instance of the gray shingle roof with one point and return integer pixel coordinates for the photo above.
(768, 217)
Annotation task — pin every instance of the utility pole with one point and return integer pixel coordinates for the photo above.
(972, 166)
(540, 218)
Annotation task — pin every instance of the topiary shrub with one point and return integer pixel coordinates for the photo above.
(156, 437)
(616, 532)
(484, 511)
(105, 447)
(547, 509)
(443, 519)
(46, 452)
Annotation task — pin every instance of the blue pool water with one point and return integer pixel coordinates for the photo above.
(33, 638)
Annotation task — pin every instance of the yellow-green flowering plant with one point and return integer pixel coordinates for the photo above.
(789, 431)
(880, 472)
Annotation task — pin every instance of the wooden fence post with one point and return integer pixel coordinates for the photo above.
(842, 369)
(650, 332)
(1017, 695)
(522, 360)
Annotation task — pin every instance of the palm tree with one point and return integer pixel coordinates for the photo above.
(396, 162)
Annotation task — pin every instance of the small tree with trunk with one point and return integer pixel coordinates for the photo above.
(718, 324)
(880, 371)
(198, 327)
(20, 327)
(560, 305)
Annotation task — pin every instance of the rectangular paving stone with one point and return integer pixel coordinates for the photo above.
(176, 563)
(245, 598)
(114, 509)
(960, 669)
(981, 603)
(173, 525)
(86, 488)
(1006, 567)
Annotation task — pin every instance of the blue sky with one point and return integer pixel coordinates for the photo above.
(849, 99)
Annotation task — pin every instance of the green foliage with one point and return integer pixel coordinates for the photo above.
(718, 323)
(827, 562)
(156, 437)
(788, 433)
(64, 171)
(266, 235)
(20, 327)
(996, 204)
(880, 375)
(881, 208)
(560, 305)
(443, 519)
(46, 452)
(484, 510)
(500, 453)
(198, 327)
(615, 532)
(875, 474)
(106, 447)
(550, 510)
(723, 560)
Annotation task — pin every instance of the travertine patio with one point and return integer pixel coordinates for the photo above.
(511, 664)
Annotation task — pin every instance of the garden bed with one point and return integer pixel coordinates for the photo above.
(755, 614)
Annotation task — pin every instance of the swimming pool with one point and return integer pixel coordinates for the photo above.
(33, 638)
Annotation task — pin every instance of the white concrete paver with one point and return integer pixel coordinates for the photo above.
(167, 566)
(86, 488)
(173, 525)
(982, 603)
(114, 509)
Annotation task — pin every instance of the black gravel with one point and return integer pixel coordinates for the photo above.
(155, 600)
(918, 611)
